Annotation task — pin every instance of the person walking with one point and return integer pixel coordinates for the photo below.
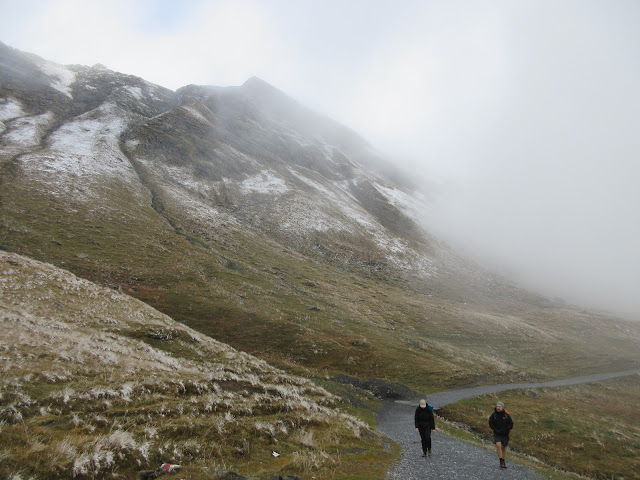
(425, 425)
(501, 423)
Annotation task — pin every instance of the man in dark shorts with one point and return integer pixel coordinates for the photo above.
(501, 423)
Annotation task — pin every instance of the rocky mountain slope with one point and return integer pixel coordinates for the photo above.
(251, 219)
(244, 157)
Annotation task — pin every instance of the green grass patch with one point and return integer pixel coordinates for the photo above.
(591, 429)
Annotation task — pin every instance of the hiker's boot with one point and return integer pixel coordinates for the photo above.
(502, 463)
(429, 452)
(424, 454)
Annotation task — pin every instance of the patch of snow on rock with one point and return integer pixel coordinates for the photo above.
(153, 91)
(326, 148)
(343, 201)
(300, 217)
(183, 176)
(330, 151)
(265, 182)
(194, 111)
(397, 250)
(82, 153)
(326, 193)
(411, 205)
(227, 151)
(28, 131)
(64, 77)
(135, 92)
(10, 108)
(132, 144)
(402, 256)
(200, 210)
(97, 130)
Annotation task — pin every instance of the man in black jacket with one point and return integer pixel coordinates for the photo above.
(501, 423)
(425, 425)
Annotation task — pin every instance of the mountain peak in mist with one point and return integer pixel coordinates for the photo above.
(259, 85)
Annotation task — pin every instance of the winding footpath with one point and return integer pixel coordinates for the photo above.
(451, 458)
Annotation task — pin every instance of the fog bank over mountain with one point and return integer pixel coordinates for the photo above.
(566, 241)
(526, 115)
(546, 186)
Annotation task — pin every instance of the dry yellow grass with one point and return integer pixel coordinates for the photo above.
(96, 383)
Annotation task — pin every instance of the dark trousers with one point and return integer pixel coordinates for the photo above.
(425, 436)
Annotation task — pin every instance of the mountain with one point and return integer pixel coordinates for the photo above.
(242, 214)
(255, 225)
(249, 217)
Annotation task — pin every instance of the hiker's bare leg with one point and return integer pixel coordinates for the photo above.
(504, 451)
(500, 449)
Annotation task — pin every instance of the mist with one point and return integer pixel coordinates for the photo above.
(548, 193)
(524, 113)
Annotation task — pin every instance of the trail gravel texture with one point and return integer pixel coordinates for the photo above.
(452, 458)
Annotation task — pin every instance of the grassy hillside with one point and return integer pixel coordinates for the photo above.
(311, 316)
(96, 384)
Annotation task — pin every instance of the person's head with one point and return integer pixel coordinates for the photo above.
(499, 406)
(423, 403)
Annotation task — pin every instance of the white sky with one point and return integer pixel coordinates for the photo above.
(528, 112)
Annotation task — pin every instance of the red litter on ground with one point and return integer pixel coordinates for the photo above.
(170, 467)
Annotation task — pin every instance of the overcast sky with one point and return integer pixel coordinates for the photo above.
(526, 112)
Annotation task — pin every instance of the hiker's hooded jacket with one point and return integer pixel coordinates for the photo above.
(424, 418)
(500, 422)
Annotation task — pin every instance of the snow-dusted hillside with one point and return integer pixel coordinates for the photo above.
(295, 176)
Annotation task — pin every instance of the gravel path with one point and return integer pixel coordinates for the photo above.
(453, 458)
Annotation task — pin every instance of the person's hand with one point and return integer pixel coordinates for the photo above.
(417, 430)
(433, 431)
